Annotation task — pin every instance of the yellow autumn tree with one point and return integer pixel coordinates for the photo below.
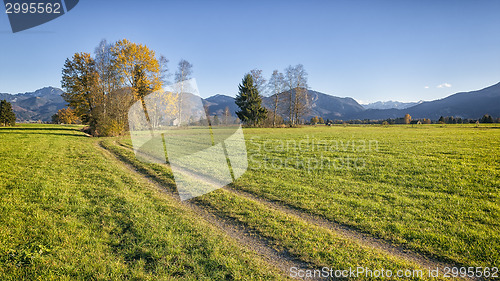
(137, 67)
(407, 118)
(162, 107)
(66, 116)
(101, 89)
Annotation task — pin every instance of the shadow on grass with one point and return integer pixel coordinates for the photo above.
(46, 131)
(167, 181)
(55, 128)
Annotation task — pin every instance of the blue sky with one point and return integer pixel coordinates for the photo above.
(369, 50)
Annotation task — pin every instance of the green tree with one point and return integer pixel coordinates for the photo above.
(80, 83)
(250, 103)
(486, 119)
(314, 120)
(7, 115)
(321, 120)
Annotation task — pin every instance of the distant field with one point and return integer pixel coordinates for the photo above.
(311, 244)
(71, 210)
(434, 188)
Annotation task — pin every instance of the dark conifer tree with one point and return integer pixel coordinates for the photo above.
(7, 115)
(250, 103)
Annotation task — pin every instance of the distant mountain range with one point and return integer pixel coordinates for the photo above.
(390, 104)
(326, 106)
(464, 105)
(43, 103)
(320, 105)
(218, 103)
(38, 105)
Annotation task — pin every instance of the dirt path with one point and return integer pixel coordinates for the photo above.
(284, 261)
(247, 239)
(349, 233)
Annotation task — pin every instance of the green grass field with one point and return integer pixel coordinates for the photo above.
(311, 244)
(68, 212)
(433, 188)
(71, 210)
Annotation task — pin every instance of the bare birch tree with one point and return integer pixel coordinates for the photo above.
(183, 73)
(164, 74)
(258, 80)
(276, 87)
(296, 95)
(227, 115)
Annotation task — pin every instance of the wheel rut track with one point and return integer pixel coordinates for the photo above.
(283, 260)
(248, 239)
(349, 232)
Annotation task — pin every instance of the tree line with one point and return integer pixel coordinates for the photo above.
(100, 88)
(457, 120)
(407, 119)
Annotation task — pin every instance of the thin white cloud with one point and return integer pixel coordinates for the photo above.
(444, 85)
(426, 87)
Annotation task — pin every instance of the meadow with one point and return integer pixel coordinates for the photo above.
(71, 209)
(70, 212)
(433, 188)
